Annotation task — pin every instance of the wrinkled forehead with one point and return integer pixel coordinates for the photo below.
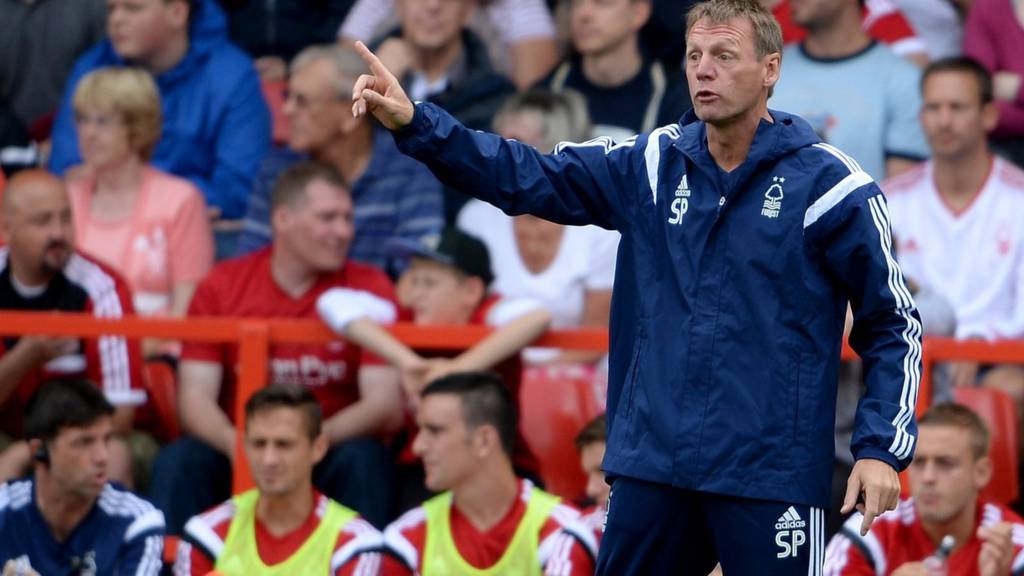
(734, 32)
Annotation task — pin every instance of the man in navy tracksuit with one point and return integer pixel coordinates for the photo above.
(743, 239)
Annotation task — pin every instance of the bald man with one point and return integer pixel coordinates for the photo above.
(40, 270)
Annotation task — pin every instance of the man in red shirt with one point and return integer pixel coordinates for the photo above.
(360, 395)
(284, 524)
(41, 270)
(486, 518)
(949, 470)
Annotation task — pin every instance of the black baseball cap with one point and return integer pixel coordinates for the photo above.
(453, 247)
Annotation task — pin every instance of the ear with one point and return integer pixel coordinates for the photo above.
(773, 67)
(982, 472)
(474, 290)
(178, 14)
(319, 448)
(280, 218)
(641, 12)
(486, 441)
(989, 116)
(348, 123)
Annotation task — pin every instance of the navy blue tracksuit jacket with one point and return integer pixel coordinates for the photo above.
(730, 296)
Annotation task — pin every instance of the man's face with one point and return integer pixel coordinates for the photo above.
(439, 294)
(430, 25)
(38, 226)
(590, 460)
(600, 26)
(79, 458)
(317, 229)
(953, 116)
(727, 79)
(280, 452)
(103, 138)
(813, 14)
(945, 477)
(313, 108)
(444, 442)
(140, 29)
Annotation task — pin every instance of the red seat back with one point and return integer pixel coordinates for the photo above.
(554, 406)
(161, 389)
(997, 409)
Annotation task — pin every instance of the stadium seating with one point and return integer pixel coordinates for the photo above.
(996, 408)
(554, 406)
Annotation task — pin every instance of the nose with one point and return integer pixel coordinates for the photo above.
(419, 444)
(705, 67)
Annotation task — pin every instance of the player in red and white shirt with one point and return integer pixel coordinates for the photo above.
(40, 270)
(486, 517)
(295, 528)
(359, 394)
(882, 20)
(957, 218)
(950, 468)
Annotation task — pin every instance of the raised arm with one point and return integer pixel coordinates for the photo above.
(590, 183)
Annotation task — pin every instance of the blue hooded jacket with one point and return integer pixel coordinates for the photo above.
(730, 296)
(216, 127)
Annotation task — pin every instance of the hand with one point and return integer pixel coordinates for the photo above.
(271, 68)
(880, 486)
(413, 373)
(380, 94)
(439, 368)
(911, 569)
(996, 549)
(396, 55)
(963, 374)
(1006, 86)
(42, 349)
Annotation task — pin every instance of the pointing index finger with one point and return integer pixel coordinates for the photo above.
(376, 66)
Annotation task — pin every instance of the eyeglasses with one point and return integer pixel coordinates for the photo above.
(98, 120)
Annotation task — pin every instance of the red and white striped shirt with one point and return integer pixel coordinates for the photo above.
(111, 362)
(567, 547)
(898, 537)
(356, 551)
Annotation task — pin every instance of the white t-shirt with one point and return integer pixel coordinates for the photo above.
(585, 261)
(974, 258)
(937, 23)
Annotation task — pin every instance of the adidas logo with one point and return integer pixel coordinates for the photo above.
(790, 519)
(683, 190)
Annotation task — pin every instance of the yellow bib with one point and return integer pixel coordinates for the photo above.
(240, 556)
(442, 558)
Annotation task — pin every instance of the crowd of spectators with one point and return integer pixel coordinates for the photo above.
(140, 176)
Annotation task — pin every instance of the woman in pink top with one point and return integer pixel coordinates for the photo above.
(149, 225)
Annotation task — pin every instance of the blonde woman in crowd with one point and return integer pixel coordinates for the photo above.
(150, 226)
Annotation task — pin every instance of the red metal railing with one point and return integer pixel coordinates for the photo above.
(254, 337)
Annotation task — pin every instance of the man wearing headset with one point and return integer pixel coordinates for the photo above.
(69, 519)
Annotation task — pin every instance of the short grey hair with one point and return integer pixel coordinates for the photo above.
(767, 32)
(348, 66)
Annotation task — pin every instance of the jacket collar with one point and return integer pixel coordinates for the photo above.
(772, 141)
